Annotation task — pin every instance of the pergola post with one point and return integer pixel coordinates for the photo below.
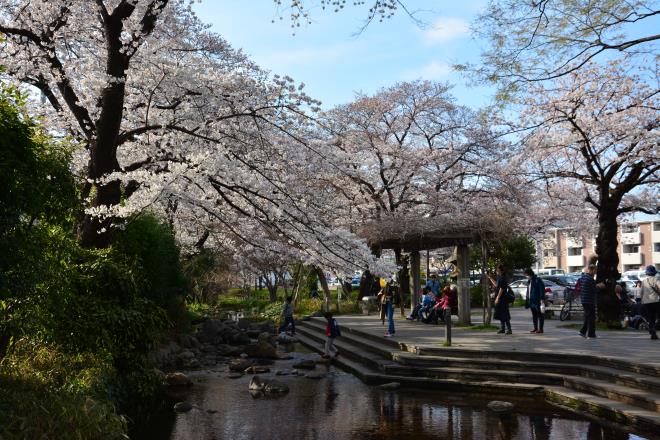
(463, 283)
(415, 262)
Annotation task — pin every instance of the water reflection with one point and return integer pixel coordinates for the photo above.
(341, 407)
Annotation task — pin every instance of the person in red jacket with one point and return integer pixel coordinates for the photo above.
(331, 332)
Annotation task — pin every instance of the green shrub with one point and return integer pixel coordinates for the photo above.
(152, 243)
(46, 393)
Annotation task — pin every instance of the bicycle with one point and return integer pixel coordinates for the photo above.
(565, 313)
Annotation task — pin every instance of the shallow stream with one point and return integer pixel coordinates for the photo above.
(340, 406)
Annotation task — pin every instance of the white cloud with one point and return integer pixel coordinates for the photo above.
(446, 29)
(433, 70)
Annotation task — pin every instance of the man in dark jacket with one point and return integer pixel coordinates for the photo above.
(534, 299)
(588, 292)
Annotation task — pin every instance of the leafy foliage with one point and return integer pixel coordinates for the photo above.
(515, 253)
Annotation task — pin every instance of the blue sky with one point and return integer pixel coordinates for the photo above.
(334, 63)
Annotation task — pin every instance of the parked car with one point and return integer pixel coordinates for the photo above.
(634, 275)
(562, 280)
(542, 272)
(519, 287)
(554, 293)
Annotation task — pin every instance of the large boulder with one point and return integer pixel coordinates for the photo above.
(238, 338)
(177, 380)
(391, 386)
(275, 387)
(210, 330)
(256, 384)
(499, 406)
(258, 387)
(182, 407)
(239, 365)
(267, 327)
(283, 338)
(243, 324)
(261, 350)
(267, 338)
(189, 341)
(306, 364)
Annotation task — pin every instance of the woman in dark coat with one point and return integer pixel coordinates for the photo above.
(501, 304)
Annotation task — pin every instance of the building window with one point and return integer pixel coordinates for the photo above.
(574, 251)
(630, 228)
(551, 252)
(656, 247)
(656, 226)
(631, 249)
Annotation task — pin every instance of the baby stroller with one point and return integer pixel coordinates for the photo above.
(431, 314)
(633, 315)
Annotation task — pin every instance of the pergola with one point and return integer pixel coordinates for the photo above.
(417, 235)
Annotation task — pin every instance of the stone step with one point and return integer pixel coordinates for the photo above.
(633, 380)
(649, 369)
(582, 395)
(373, 377)
(603, 408)
(346, 349)
(632, 396)
(319, 323)
(418, 365)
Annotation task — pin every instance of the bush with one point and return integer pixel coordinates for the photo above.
(152, 243)
(46, 393)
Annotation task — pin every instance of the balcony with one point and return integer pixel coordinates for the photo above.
(574, 242)
(656, 236)
(575, 260)
(550, 262)
(631, 238)
(629, 259)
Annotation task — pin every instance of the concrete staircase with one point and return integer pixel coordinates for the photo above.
(606, 388)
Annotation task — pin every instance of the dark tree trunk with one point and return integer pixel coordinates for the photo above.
(271, 285)
(403, 277)
(324, 287)
(608, 262)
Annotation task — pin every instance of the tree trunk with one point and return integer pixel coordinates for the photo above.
(608, 262)
(485, 291)
(324, 286)
(271, 285)
(404, 278)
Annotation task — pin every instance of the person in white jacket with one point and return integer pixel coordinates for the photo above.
(650, 296)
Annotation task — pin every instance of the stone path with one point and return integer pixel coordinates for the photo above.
(631, 345)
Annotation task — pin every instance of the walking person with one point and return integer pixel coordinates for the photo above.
(288, 317)
(331, 332)
(588, 291)
(534, 299)
(387, 305)
(501, 304)
(650, 296)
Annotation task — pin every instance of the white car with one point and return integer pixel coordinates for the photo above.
(554, 293)
(519, 287)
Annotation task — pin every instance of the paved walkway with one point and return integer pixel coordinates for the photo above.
(632, 345)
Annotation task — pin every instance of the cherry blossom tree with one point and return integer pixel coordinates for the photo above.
(407, 156)
(170, 118)
(542, 40)
(595, 138)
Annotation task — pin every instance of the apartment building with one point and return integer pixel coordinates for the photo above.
(639, 246)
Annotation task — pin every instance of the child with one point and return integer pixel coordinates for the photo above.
(288, 317)
(331, 332)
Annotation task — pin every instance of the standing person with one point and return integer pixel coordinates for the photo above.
(434, 284)
(588, 290)
(534, 299)
(387, 304)
(650, 296)
(501, 304)
(288, 317)
(331, 332)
